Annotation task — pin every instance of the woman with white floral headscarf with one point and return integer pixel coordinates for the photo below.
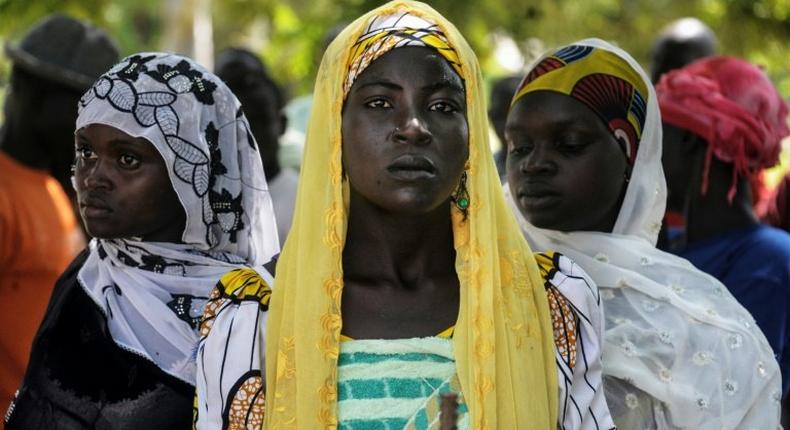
(170, 185)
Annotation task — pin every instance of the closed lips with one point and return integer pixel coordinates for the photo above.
(96, 203)
(412, 162)
(536, 191)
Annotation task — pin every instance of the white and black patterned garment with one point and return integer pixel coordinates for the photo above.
(153, 293)
(577, 321)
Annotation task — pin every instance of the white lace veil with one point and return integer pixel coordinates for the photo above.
(679, 350)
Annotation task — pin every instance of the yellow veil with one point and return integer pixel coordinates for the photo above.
(503, 339)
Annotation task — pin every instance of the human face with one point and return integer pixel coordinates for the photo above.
(565, 169)
(123, 188)
(405, 134)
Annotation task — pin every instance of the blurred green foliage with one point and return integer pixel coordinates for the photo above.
(290, 35)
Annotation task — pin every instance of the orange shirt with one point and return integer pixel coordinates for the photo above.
(39, 237)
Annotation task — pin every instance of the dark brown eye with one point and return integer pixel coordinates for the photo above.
(129, 161)
(519, 146)
(443, 107)
(571, 144)
(85, 153)
(378, 104)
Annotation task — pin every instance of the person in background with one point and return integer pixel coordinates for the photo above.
(52, 65)
(585, 179)
(298, 111)
(778, 210)
(679, 43)
(262, 101)
(501, 94)
(723, 124)
(171, 187)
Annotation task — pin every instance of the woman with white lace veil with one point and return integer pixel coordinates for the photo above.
(585, 179)
(170, 185)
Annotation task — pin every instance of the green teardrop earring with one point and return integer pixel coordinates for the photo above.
(461, 196)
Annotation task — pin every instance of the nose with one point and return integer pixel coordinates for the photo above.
(412, 131)
(95, 176)
(538, 162)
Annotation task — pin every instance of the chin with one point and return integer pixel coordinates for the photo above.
(407, 200)
(101, 232)
(545, 221)
(413, 206)
(107, 236)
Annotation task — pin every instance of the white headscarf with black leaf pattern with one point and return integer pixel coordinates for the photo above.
(153, 293)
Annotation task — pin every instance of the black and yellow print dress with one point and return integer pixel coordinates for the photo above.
(230, 385)
(577, 319)
(230, 390)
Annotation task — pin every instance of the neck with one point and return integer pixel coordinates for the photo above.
(397, 250)
(711, 215)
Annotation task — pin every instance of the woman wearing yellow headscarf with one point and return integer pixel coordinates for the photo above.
(404, 275)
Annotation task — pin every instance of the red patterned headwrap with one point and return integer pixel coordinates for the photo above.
(733, 106)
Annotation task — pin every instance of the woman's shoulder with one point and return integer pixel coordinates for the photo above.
(242, 286)
(562, 273)
(577, 322)
(246, 284)
(230, 364)
(68, 278)
(65, 288)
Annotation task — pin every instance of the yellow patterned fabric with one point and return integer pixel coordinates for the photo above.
(602, 81)
(503, 340)
(235, 286)
(563, 319)
(229, 392)
(385, 33)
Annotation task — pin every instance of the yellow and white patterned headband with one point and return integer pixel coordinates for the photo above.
(385, 33)
(602, 81)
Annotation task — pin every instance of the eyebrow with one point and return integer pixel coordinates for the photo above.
(379, 82)
(430, 88)
(124, 142)
(443, 84)
(120, 142)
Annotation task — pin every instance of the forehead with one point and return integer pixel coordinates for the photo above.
(549, 108)
(410, 66)
(98, 133)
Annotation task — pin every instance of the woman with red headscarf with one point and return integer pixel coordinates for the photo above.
(723, 124)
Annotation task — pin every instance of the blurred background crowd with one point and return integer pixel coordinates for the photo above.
(268, 53)
(506, 34)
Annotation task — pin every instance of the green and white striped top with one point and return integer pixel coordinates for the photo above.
(396, 384)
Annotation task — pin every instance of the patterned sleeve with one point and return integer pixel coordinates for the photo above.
(577, 318)
(230, 354)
